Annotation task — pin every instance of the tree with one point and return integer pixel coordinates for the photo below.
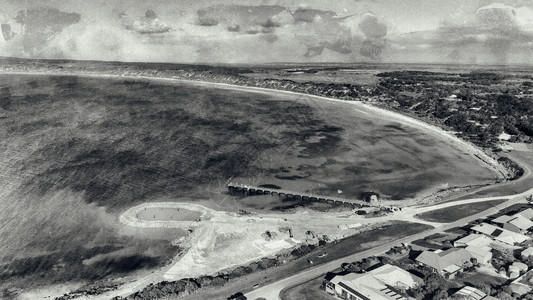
(435, 286)
(504, 296)
(484, 288)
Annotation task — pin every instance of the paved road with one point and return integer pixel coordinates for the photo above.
(271, 291)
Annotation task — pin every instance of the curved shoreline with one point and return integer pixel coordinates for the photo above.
(360, 106)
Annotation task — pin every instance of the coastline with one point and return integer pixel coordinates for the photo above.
(362, 107)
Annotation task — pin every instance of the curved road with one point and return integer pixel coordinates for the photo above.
(272, 291)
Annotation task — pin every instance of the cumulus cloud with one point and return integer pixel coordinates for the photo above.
(307, 15)
(106, 42)
(245, 19)
(7, 32)
(149, 24)
(375, 32)
(40, 25)
(320, 30)
(492, 31)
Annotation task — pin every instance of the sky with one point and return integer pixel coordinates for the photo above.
(267, 31)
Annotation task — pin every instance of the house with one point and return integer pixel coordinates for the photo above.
(470, 293)
(373, 285)
(528, 213)
(527, 253)
(500, 234)
(478, 245)
(516, 223)
(522, 284)
(395, 276)
(477, 240)
(483, 255)
(517, 269)
(446, 262)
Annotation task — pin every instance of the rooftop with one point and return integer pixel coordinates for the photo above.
(517, 220)
(476, 240)
(471, 293)
(443, 260)
(373, 285)
(500, 234)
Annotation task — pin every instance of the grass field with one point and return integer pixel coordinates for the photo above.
(454, 213)
(77, 151)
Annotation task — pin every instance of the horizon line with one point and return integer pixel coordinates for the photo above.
(272, 63)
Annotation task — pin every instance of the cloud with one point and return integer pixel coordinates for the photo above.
(149, 24)
(245, 19)
(307, 15)
(115, 43)
(41, 25)
(490, 34)
(372, 27)
(375, 32)
(496, 15)
(7, 32)
(320, 30)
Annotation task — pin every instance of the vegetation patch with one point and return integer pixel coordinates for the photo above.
(454, 213)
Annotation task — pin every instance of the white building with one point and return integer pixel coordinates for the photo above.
(500, 234)
(373, 285)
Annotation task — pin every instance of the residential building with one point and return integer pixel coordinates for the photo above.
(516, 223)
(478, 245)
(500, 234)
(477, 240)
(528, 213)
(373, 285)
(517, 269)
(527, 253)
(448, 262)
(470, 293)
(522, 284)
(483, 255)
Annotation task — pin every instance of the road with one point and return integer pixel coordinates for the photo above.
(272, 291)
(217, 219)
